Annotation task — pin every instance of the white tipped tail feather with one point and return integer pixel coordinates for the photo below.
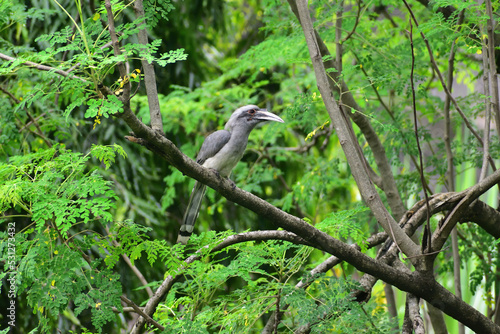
(191, 212)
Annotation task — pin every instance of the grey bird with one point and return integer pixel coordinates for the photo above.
(221, 151)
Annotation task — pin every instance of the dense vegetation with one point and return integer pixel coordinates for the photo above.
(371, 209)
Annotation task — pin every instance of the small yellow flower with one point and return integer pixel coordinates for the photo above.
(96, 121)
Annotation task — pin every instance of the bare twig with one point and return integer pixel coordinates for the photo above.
(441, 79)
(358, 16)
(140, 311)
(426, 244)
(323, 267)
(32, 120)
(487, 117)
(10, 95)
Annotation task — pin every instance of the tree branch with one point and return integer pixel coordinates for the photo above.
(43, 67)
(367, 190)
(140, 311)
(441, 79)
(492, 66)
(338, 85)
(415, 282)
(412, 303)
(467, 197)
(167, 284)
(412, 282)
(149, 74)
(426, 243)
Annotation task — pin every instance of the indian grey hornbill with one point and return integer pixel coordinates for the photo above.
(221, 151)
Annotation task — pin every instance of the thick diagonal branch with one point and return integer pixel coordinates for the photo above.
(366, 187)
(338, 85)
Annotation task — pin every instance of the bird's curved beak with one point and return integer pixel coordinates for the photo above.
(264, 115)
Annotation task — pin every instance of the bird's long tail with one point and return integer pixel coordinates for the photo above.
(191, 213)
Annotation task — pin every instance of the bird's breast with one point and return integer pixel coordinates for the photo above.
(226, 159)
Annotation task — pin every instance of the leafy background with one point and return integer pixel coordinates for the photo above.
(81, 196)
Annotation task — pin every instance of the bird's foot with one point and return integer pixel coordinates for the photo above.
(216, 172)
(233, 185)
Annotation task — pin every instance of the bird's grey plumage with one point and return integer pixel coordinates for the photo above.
(221, 151)
(212, 144)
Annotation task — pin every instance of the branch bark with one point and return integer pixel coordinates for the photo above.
(338, 85)
(149, 75)
(492, 66)
(412, 303)
(165, 287)
(366, 188)
(116, 50)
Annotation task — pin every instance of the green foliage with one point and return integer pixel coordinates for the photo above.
(53, 189)
(107, 154)
(78, 214)
(269, 270)
(342, 226)
(52, 185)
(156, 10)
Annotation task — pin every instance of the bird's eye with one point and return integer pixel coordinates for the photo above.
(251, 111)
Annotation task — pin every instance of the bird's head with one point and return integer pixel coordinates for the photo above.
(249, 116)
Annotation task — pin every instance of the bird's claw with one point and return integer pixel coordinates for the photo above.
(216, 172)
